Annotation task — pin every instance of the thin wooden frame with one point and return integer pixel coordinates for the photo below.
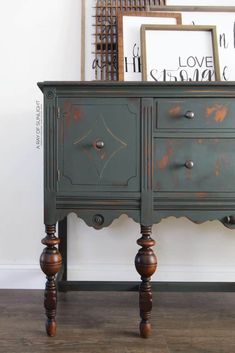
(121, 34)
(220, 16)
(192, 8)
(167, 28)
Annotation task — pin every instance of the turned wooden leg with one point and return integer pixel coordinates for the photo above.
(50, 262)
(146, 264)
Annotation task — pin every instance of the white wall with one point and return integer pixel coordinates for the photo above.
(40, 40)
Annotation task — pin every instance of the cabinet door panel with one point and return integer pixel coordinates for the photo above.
(98, 143)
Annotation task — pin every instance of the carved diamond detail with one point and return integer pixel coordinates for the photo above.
(100, 157)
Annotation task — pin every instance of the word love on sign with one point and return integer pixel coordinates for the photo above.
(193, 61)
(191, 68)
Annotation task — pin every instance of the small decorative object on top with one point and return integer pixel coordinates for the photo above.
(179, 53)
(102, 65)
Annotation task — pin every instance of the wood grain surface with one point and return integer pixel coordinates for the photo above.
(95, 322)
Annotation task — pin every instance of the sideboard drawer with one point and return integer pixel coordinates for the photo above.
(194, 165)
(195, 113)
(98, 143)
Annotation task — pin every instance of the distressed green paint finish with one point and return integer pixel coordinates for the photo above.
(84, 164)
(50, 155)
(210, 113)
(113, 148)
(146, 163)
(212, 165)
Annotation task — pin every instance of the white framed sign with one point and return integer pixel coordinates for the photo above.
(129, 51)
(200, 2)
(223, 17)
(179, 53)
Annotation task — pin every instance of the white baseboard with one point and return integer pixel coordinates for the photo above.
(31, 276)
(171, 273)
(21, 277)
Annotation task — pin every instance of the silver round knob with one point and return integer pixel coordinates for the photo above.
(230, 219)
(99, 144)
(189, 164)
(98, 219)
(189, 114)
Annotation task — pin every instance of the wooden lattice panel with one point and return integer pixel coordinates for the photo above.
(105, 33)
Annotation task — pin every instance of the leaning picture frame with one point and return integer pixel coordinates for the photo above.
(179, 53)
(200, 3)
(129, 50)
(223, 17)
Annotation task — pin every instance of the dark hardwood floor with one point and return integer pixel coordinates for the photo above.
(107, 322)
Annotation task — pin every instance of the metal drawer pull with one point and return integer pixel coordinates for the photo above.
(189, 114)
(99, 144)
(189, 164)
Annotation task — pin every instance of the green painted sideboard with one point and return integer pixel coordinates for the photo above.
(144, 149)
